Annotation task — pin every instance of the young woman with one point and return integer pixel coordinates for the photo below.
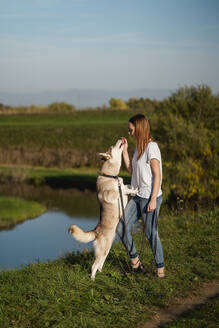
(146, 171)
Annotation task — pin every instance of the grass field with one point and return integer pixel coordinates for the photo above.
(76, 118)
(89, 132)
(81, 178)
(189, 145)
(205, 315)
(61, 294)
(63, 148)
(14, 210)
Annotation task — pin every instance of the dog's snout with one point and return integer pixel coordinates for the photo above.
(119, 143)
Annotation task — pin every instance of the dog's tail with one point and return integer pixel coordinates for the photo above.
(81, 235)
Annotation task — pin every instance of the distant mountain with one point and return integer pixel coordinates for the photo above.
(79, 98)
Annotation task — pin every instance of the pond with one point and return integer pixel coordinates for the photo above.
(46, 237)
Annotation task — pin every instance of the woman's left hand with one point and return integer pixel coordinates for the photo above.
(152, 205)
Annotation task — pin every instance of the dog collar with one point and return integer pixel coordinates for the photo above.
(110, 176)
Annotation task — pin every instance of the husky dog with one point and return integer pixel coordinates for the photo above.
(110, 207)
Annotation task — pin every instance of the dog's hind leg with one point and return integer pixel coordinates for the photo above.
(107, 245)
(101, 247)
(95, 268)
(98, 264)
(101, 263)
(99, 254)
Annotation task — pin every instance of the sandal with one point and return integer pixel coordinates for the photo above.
(139, 269)
(160, 273)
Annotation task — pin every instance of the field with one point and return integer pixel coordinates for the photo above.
(185, 125)
(61, 294)
(60, 149)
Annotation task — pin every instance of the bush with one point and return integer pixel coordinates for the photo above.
(187, 130)
(116, 103)
(61, 107)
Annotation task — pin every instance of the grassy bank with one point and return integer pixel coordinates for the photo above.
(43, 176)
(205, 315)
(72, 201)
(15, 210)
(61, 294)
(81, 178)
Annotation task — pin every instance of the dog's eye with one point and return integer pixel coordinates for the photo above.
(109, 151)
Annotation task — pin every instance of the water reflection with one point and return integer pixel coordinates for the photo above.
(46, 237)
(70, 201)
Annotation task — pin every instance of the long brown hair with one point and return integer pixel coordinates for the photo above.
(142, 132)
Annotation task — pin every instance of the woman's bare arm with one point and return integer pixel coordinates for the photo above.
(155, 167)
(126, 156)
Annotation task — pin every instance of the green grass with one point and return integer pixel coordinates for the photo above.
(205, 315)
(60, 293)
(84, 177)
(54, 120)
(14, 210)
(97, 139)
(188, 146)
(63, 130)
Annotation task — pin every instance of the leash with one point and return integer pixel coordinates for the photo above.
(116, 177)
(123, 213)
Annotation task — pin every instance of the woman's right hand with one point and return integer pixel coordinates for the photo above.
(124, 143)
(126, 155)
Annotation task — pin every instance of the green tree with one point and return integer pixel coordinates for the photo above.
(196, 104)
(61, 107)
(141, 104)
(117, 103)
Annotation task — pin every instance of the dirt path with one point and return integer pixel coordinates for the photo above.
(171, 313)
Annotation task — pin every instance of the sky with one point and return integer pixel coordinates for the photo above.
(48, 45)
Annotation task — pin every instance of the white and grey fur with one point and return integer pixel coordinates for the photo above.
(110, 204)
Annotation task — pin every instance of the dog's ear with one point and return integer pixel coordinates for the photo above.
(104, 156)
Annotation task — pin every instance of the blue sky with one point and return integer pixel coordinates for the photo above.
(51, 45)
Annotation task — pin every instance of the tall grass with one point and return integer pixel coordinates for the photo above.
(61, 294)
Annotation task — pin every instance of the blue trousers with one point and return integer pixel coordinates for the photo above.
(136, 208)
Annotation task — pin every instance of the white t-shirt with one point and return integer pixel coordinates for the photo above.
(142, 177)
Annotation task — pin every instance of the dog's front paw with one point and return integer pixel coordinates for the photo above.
(134, 192)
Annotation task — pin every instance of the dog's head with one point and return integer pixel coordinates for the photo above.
(114, 152)
(113, 157)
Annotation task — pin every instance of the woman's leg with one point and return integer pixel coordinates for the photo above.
(124, 228)
(150, 220)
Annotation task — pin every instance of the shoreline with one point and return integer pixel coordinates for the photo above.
(15, 210)
(80, 178)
